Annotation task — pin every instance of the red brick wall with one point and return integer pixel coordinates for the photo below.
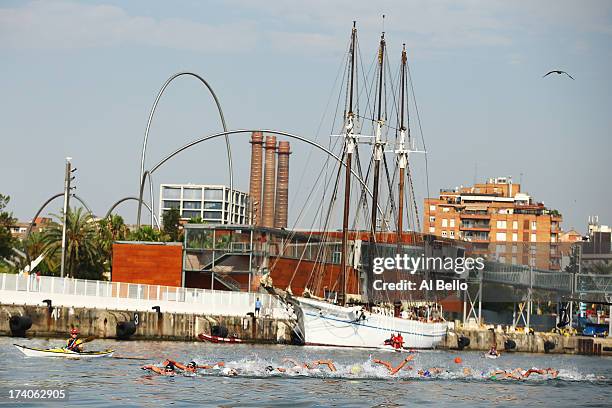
(148, 263)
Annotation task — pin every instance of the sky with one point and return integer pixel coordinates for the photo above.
(79, 80)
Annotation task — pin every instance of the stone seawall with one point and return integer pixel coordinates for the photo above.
(102, 323)
(482, 339)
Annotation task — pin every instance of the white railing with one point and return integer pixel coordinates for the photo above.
(22, 289)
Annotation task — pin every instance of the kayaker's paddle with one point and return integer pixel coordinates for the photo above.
(132, 358)
(88, 339)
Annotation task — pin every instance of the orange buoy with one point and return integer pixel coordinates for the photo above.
(458, 360)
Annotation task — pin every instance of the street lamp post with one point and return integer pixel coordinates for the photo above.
(67, 190)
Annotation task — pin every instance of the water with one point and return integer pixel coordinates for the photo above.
(583, 381)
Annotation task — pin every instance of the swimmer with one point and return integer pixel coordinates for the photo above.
(168, 369)
(192, 367)
(516, 374)
(229, 372)
(429, 372)
(554, 373)
(467, 371)
(328, 363)
(395, 370)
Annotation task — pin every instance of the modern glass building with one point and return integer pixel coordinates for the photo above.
(211, 203)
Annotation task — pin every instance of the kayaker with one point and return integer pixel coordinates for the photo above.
(74, 343)
(168, 368)
(493, 351)
(395, 370)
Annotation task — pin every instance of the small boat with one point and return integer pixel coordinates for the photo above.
(217, 339)
(62, 352)
(388, 347)
(493, 356)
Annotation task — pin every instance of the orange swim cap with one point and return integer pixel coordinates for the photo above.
(458, 360)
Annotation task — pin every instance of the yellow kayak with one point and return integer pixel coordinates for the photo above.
(62, 352)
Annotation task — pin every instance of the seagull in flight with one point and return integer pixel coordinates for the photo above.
(559, 73)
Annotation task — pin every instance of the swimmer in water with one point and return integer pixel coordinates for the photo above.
(554, 373)
(395, 370)
(516, 374)
(429, 372)
(467, 372)
(229, 372)
(168, 368)
(192, 366)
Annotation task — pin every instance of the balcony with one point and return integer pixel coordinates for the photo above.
(477, 215)
(479, 226)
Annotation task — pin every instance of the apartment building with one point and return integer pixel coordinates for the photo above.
(502, 222)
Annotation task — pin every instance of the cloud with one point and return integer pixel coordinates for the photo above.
(68, 25)
(298, 26)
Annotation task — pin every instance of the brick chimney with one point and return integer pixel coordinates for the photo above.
(269, 182)
(255, 180)
(282, 185)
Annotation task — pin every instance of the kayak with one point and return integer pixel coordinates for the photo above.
(62, 352)
(493, 356)
(217, 339)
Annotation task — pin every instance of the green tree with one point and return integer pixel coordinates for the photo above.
(172, 223)
(83, 258)
(7, 242)
(147, 233)
(35, 246)
(110, 229)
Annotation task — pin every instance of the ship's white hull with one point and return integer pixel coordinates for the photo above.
(331, 325)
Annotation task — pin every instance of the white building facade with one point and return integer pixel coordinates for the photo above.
(209, 202)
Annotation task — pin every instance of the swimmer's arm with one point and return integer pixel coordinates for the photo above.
(385, 363)
(402, 364)
(328, 363)
(153, 368)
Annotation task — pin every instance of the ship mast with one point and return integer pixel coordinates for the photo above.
(402, 152)
(349, 148)
(378, 143)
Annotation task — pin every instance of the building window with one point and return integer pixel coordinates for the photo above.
(191, 214)
(500, 236)
(515, 225)
(432, 208)
(514, 249)
(452, 222)
(192, 205)
(215, 215)
(192, 193)
(534, 225)
(212, 205)
(553, 238)
(172, 192)
(432, 219)
(514, 260)
(210, 194)
(501, 224)
(432, 230)
(452, 234)
(171, 204)
(445, 209)
(502, 259)
(533, 238)
(514, 237)
(444, 222)
(444, 233)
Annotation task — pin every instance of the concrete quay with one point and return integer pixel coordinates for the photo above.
(56, 321)
(539, 342)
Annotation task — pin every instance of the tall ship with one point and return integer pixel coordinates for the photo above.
(348, 311)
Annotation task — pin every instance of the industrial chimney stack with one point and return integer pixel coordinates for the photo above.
(255, 181)
(282, 185)
(269, 182)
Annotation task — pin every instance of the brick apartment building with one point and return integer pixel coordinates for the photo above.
(501, 222)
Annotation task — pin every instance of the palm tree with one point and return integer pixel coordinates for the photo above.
(82, 250)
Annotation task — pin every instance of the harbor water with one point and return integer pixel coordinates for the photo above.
(358, 381)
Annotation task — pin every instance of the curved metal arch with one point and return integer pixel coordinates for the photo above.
(29, 230)
(232, 132)
(110, 210)
(146, 136)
